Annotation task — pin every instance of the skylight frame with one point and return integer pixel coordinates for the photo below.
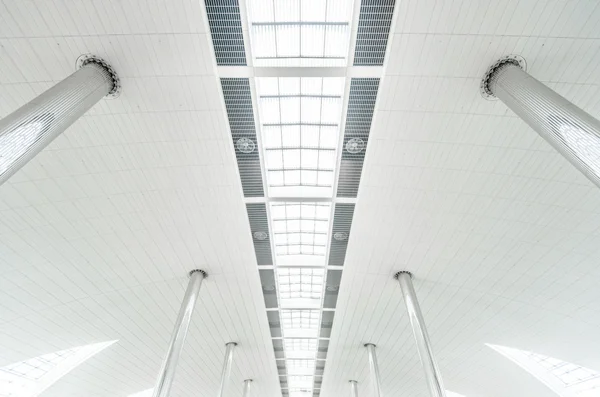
(284, 33)
(300, 126)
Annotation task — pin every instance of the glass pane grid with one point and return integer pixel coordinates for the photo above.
(300, 125)
(300, 228)
(300, 32)
(37, 367)
(293, 345)
(300, 283)
(299, 319)
(568, 373)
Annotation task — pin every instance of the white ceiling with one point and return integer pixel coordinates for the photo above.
(98, 232)
(501, 233)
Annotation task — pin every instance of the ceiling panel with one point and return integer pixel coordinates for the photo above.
(501, 232)
(99, 231)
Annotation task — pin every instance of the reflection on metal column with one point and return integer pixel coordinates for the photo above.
(432, 372)
(29, 129)
(167, 371)
(226, 367)
(247, 383)
(374, 370)
(574, 133)
(353, 388)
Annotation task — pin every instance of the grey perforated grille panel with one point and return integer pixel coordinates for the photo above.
(226, 31)
(342, 221)
(259, 225)
(374, 24)
(361, 104)
(238, 102)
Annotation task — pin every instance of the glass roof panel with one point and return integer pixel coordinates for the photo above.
(299, 323)
(300, 32)
(300, 127)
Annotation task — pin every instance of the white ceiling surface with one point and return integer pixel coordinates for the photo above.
(98, 232)
(501, 233)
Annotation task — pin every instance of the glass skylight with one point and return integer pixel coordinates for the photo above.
(300, 32)
(564, 378)
(31, 377)
(300, 287)
(300, 348)
(300, 128)
(300, 323)
(300, 367)
(300, 228)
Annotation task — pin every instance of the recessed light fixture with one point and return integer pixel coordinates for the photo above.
(260, 235)
(355, 145)
(340, 236)
(245, 145)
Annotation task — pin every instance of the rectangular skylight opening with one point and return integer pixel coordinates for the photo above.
(300, 348)
(299, 323)
(300, 287)
(300, 32)
(300, 367)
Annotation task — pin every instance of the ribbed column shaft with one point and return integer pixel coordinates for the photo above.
(26, 131)
(417, 322)
(573, 133)
(167, 370)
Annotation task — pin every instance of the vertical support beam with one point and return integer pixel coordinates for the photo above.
(432, 372)
(29, 129)
(375, 377)
(247, 384)
(572, 132)
(167, 371)
(226, 366)
(353, 388)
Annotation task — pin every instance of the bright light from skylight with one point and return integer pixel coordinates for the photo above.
(300, 32)
(300, 128)
(299, 323)
(564, 378)
(31, 377)
(300, 288)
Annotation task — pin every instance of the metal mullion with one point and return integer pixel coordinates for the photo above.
(300, 23)
(298, 148)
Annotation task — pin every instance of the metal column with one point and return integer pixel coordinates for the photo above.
(572, 132)
(167, 371)
(26, 131)
(374, 370)
(432, 372)
(353, 388)
(247, 384)
(226, 366)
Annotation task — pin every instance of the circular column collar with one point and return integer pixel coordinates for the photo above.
(484, 86)
(86, 59)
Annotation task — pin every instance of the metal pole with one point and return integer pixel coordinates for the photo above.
(167, 371)
(432, 372)
(29, 129)
(572, 132)
(226, 366)
(374, 370)
(247, 383)
(353, 388)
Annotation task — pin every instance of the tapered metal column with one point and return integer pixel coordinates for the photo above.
(574, 133)
(26, 131)
(167, 371)
(353, 388)
(432, 372)
(247, 384)
(226, 366)
(376, 379)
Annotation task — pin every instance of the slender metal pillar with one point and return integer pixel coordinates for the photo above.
(353, 388)
(26, 131)
(247, 384)
(167, 371)
(572, 132)
(226, 366)
(432, 371)
(376, 379)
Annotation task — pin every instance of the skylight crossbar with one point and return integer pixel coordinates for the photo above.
(300, 23)
(300, 124)
(325, 149)
(301, 96)
(301, 169)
